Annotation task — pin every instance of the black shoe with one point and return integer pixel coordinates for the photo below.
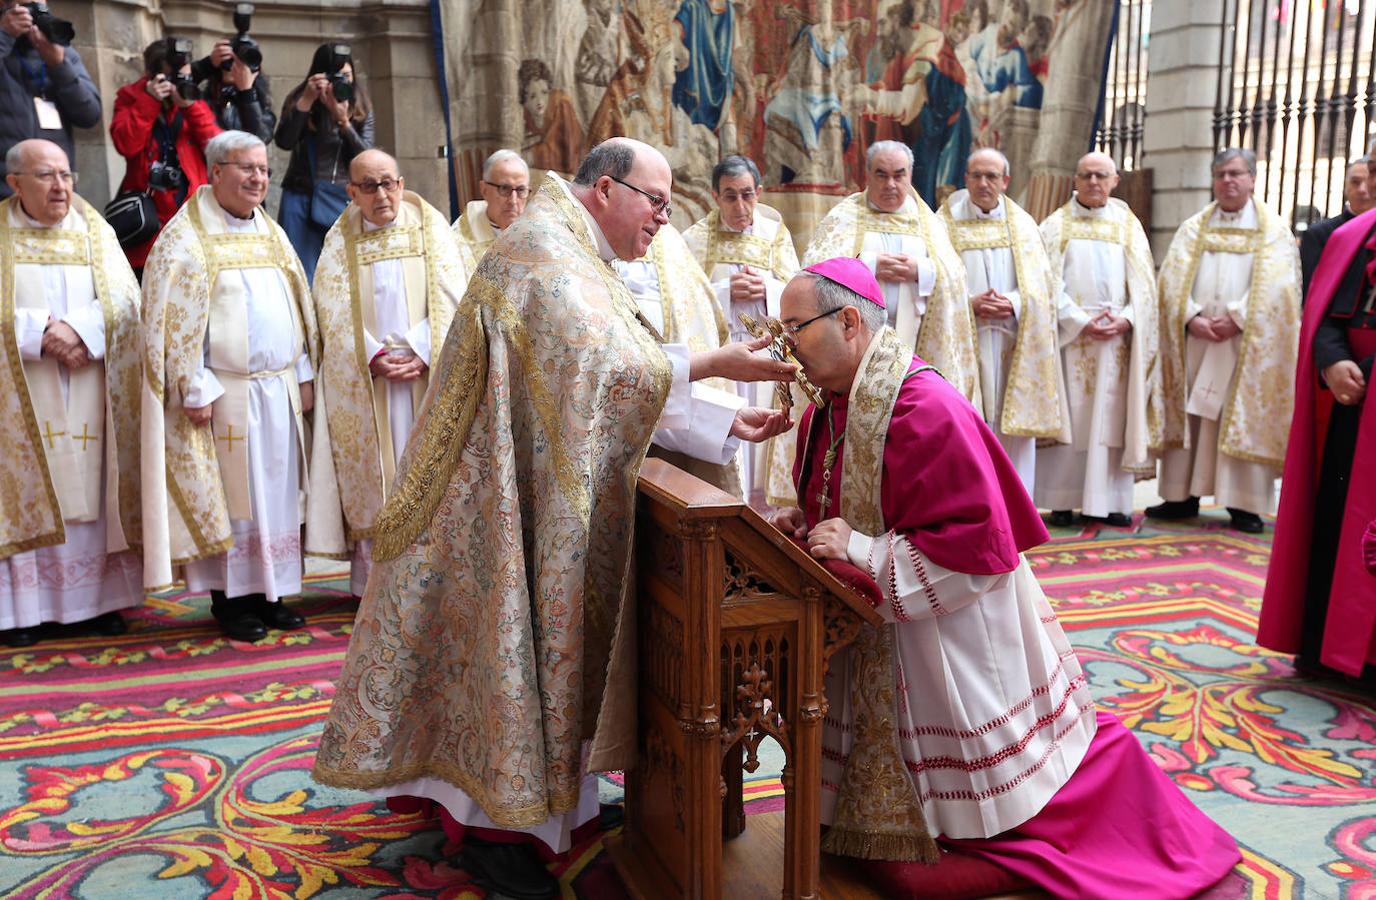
(1061, 518)
(19, 637)
(109, 624)
(611, 815)
(1115, 520)
(1174, 509)
(238, 618)
(514, 870)
(277, 615)
(1246, 522)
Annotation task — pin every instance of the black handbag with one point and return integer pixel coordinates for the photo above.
(133, 217)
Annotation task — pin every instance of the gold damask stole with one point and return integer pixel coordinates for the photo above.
(403, 240)
(229, 352)
(1091, 228)
(737, 248)
(878, 814)
(872, 220)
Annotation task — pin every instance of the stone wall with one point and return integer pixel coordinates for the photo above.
(392, 48)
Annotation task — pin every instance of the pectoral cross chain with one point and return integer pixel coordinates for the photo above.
(824, 498)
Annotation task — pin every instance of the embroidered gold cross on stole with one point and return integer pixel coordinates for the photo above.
(229, 439)
(85, 437)
(49, 434)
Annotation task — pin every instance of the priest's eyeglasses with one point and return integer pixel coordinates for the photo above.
(657, 203)
(251, 168)
(792, 330)
(506, 190)
(48, 176)
(372, 187)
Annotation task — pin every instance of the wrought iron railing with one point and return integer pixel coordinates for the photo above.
(1123, 110)
(1297, 85)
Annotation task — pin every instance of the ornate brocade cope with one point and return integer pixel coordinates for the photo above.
(1143, 427)
(878, 814)
(186, 501)
(1033, 397)
(30, 514)
(495, 634)
(1255, 419)
(354, 460)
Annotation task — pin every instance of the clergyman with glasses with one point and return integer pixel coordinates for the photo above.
(748, 254)
(484, 674)
(390, 277)
(231, 352)
(69, 377)
(505, 187)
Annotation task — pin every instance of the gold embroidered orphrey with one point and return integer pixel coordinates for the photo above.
(878, 814)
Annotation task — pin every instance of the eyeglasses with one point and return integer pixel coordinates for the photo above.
(732, 196)
(506, 190)
(48, 176)
(1094, 176)
(657, 203)
(792, 330)
(250, 168)
(371, 187)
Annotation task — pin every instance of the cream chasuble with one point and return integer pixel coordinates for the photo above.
(1020, 383)
(932, 316)
(474, 232)
(392, 289)
(492, 664)
(1227, 404)
(765, 248)
(69, 491)
(674, 296)
(228, 321)
(1113, 386)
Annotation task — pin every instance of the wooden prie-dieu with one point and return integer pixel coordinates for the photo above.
(735, 627)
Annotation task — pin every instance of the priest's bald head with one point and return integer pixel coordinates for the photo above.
(1096, 175)
(375, 187)
(830, 312)
(41, 177)
(625, 186)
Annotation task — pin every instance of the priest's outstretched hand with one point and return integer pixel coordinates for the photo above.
(756, 423)
(740, 361)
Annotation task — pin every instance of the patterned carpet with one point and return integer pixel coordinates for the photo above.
(172, 763)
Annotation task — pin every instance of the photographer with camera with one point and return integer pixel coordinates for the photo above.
(161, 128)
(44, 88)
(326, 121)
(232, 81)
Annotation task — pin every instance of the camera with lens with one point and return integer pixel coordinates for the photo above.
(59, 31)
(177, 60)
(165, 176)
(343, 87)
(245, 48)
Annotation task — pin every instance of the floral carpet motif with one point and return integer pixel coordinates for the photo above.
(172, 762)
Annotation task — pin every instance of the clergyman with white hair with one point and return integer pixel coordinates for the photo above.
(906, 247)
(505, 187)
(231, 351)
